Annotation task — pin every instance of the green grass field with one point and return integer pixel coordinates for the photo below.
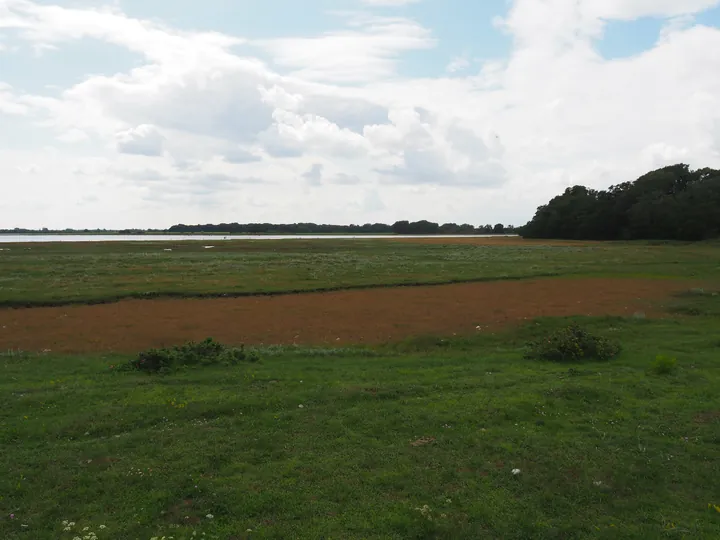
(411, 440)
(37, 274)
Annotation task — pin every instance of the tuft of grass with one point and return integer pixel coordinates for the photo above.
(690, 311)
(422, 344)
(313, 352)
(664, 365)
(696, 302)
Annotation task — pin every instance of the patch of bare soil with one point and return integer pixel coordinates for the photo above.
(422, 441)
(708, 417)
(362, 316)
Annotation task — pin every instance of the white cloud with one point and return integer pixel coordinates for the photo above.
(199, 132)
(28, 169)
(368, 50)
(239, 155)
(660, 154)
(431, 151)
(459, 63)
(564, 22)
(294, 134)
(633, 9)
(143, 140)
(372, 202)
(73, 135)
(9, 103)
(314, 176)
(48, 25)
(344, 179)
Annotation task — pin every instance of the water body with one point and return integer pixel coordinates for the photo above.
(22, 238)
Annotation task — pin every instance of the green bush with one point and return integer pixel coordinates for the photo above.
(205, 353)
(664, 365)
(572, 344)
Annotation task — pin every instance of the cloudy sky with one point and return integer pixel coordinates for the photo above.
(147, 113)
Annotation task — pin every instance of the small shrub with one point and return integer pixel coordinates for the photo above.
(205, 353)
(572, 344)
(664, 365)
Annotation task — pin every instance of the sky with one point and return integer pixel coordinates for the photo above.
(130, 113)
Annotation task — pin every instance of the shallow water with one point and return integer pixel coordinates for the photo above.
(20, 238)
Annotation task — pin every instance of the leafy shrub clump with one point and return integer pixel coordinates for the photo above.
(205, 353)
(573, 344)
(664, 365)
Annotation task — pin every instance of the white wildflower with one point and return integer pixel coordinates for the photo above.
(103, 527)
(65, 522)
(209, 516)
(516, 472)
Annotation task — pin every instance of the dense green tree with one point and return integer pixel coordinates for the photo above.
(669, 203)
(416, 227)
(449, 228)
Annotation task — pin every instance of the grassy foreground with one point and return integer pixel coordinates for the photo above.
(417, 440)
(57, 273)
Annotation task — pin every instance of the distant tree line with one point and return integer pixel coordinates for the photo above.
(672, 203)
(400, 227)
(272, 228)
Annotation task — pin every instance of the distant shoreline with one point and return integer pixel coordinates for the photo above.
(39, 238)
(415, 228)
(165, 233)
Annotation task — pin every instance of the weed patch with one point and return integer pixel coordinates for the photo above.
(205, 353)
(572, 344)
